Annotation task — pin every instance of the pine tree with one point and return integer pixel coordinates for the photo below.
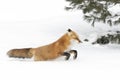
(97, 10)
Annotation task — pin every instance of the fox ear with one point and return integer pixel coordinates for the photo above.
(69, 30)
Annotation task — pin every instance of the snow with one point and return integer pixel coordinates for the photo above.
(23, 25)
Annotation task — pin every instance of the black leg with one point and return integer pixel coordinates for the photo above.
(67, 55)
(75, 53)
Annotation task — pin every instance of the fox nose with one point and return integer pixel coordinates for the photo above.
(79, 40)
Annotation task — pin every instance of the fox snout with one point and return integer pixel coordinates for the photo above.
(78, 40)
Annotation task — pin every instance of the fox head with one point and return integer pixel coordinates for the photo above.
(73, 35)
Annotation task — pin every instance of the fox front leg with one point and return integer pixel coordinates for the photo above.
(67, 54)
(74, 52)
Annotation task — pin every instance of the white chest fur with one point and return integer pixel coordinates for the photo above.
(72, 44)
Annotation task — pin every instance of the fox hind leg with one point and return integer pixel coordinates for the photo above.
(38, 58)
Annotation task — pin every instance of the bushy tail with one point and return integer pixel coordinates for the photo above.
(20, 53)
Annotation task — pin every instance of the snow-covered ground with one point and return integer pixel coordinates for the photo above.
(28, 23)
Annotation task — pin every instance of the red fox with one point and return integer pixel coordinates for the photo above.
(51, 51)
